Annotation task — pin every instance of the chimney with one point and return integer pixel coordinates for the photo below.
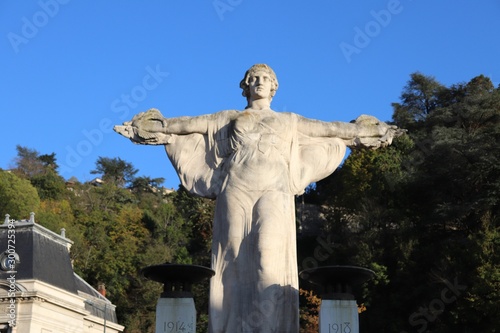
(101, 288)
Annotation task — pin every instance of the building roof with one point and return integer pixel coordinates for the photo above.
(44, 255)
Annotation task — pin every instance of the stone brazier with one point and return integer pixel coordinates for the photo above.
(338, 309)
(175, 310)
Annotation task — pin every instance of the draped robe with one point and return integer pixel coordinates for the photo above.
(253, 163)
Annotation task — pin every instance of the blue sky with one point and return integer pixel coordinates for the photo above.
(72, 69)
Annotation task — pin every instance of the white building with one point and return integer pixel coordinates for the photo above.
(39, 291)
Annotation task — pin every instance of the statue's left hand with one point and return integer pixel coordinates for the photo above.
(381, 133)
(145, 128)
(389, 133)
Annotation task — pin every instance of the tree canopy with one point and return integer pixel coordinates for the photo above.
(115, 170)
(424, 213)
(18, 197)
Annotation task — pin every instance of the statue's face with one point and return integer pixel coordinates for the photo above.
(260, 85)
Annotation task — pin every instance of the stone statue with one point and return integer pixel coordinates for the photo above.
(253, 162)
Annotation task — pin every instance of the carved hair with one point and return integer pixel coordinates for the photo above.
(254, 69)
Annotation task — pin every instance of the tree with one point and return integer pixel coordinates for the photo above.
(18, 197)
(50, 185)
(146, 184)
(419, 98)
(198, 215)
(49, 160)
(41, 170)
(115, 170)
(27, 162)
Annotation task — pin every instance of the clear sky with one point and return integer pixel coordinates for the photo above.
(72, 69)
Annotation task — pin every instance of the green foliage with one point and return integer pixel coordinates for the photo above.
(49, 185)
(18, 197)
(420, 97)
(41, 170)
(423, 214)
(198, 214)
(115, 170)
(146, 184)
(27, 162)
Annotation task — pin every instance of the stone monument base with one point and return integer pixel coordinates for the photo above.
(338, 316)
(175, 315)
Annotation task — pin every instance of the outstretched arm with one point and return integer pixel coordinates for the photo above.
(152, 128)
(187, 125)
(365, 131)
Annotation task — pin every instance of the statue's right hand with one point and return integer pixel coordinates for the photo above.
(147, 128)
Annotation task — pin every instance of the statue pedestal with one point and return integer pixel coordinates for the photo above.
(175, 315)
(338, 316)
(175, 310)
(338, 309)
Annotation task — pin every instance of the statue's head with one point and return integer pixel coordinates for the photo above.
(244, 84)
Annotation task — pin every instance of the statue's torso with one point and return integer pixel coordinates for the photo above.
(260, 141)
